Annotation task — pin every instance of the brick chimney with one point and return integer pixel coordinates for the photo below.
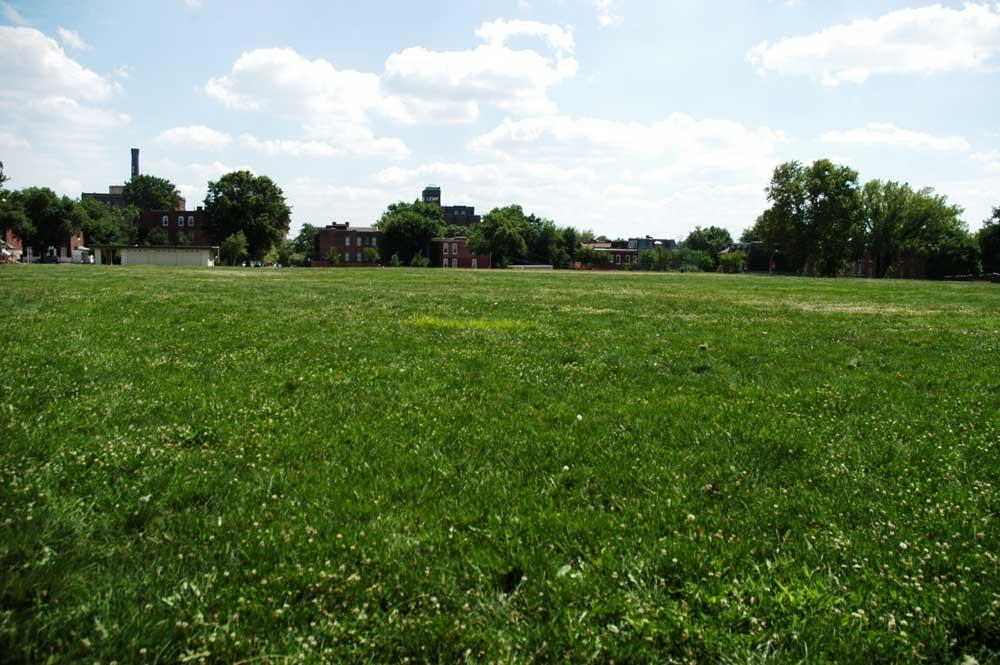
(135, 162)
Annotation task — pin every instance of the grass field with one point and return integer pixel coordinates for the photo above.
(438, 466)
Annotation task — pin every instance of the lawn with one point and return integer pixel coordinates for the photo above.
(440, 466)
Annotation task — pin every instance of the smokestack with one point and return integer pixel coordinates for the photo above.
(135, 162)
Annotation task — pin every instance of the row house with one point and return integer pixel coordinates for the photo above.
(454, 253)
(349, 242)
(181, 227)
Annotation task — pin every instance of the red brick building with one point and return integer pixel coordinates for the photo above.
(454, 253)
(182, 227)
(12, 246)
(349, 243)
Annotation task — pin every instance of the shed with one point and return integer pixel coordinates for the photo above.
(156, 255)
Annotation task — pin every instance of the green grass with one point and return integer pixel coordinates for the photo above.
(382, 465)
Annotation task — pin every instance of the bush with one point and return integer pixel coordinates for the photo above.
(395, 261)
(332, 257)
(234, 248)
(370, 255)
(732, 262)
(420, 261)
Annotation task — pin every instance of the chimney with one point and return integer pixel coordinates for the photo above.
(135, 162)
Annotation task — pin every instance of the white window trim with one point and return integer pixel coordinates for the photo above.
(166, 220)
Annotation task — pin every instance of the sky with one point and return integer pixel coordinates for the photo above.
(625, 117)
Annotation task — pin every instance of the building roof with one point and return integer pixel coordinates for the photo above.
(154, 247)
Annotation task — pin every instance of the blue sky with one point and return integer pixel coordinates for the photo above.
(621, 116)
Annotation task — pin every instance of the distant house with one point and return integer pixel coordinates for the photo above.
(67, 249)
(182, 227)
(619, 257)
(163, 255)
(454, 253)
(650, 242)
(349, 242)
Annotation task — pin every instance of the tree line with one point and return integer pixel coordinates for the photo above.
(822, 220)
(246, 214)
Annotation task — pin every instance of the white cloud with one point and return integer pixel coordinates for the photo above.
(888, 134)
(9, 12)
(990, 161)
(35, 65)
(361, 143)
(608, 12)
(191, 4)
(926, 40)
(9, 141)
(72, 39)
(497, 33)
(331, 106)
(453, 84)
(678, 144)
(197, 137)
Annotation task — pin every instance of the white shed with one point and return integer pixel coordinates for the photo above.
(158, 255)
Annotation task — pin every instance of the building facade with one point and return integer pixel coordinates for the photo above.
(349, 242)
(182, 227)
(454, 253)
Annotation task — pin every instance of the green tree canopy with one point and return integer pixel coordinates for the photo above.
(989, 242)
(711, 240)
(408, 228)
(305, 242)
(40, 217)
(503, 234)
(150, 192)
(233, 249)
(254, 205)
(104, 224)
(815, 216)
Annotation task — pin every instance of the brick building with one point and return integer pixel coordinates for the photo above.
(453, 215)
(350, 243)
(182, 227)
(454, 253)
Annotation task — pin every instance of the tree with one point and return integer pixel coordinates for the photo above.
(104, 224)
(150, 192)
(40, 217)
(884, 211)
(815, 216)
(234, 248)
(591, 258)
(935, 231)
(502, 234)
(710, 240)
(732, 262)
(305, 242)
(989, 242)
(240, 202)
(156, 237)
(408, 228)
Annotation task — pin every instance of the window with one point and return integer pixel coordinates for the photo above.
(374, 241)
(190, 221)
(454, 263)
(347, 257)
(166, 220)
(446, 249)
(360, 258)
(444, 263)
(347, 241)
(454, 248)
(180, 220)
(475, 263)
(618, 258)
